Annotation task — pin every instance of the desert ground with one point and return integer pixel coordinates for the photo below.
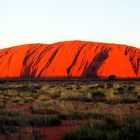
(72, 109)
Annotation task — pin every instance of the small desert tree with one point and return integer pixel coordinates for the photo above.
(112, 77)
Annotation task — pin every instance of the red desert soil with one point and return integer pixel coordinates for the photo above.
(57, 132)
(70, 58)
(45, 133)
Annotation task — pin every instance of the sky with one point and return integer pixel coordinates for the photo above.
(49, 21)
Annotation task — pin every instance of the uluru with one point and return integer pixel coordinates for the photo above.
(70, 59)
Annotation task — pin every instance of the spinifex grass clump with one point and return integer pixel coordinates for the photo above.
(43, 107)
(107, 127)
(22, 121)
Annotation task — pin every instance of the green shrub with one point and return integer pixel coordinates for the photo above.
(54, 93)
(99, 95)
(131, 88)
(120, 89)
(129, 100)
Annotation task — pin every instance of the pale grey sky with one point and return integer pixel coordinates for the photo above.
(48, 21)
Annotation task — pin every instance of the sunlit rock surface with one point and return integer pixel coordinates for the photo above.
(70, 59)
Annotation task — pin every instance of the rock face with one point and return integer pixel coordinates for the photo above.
(70, 59)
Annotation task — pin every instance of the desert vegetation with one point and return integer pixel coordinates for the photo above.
(108, 110)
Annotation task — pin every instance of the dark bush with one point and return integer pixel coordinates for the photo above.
(112, 77)
(99, 95)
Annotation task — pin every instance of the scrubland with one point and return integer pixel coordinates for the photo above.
(97, 110)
